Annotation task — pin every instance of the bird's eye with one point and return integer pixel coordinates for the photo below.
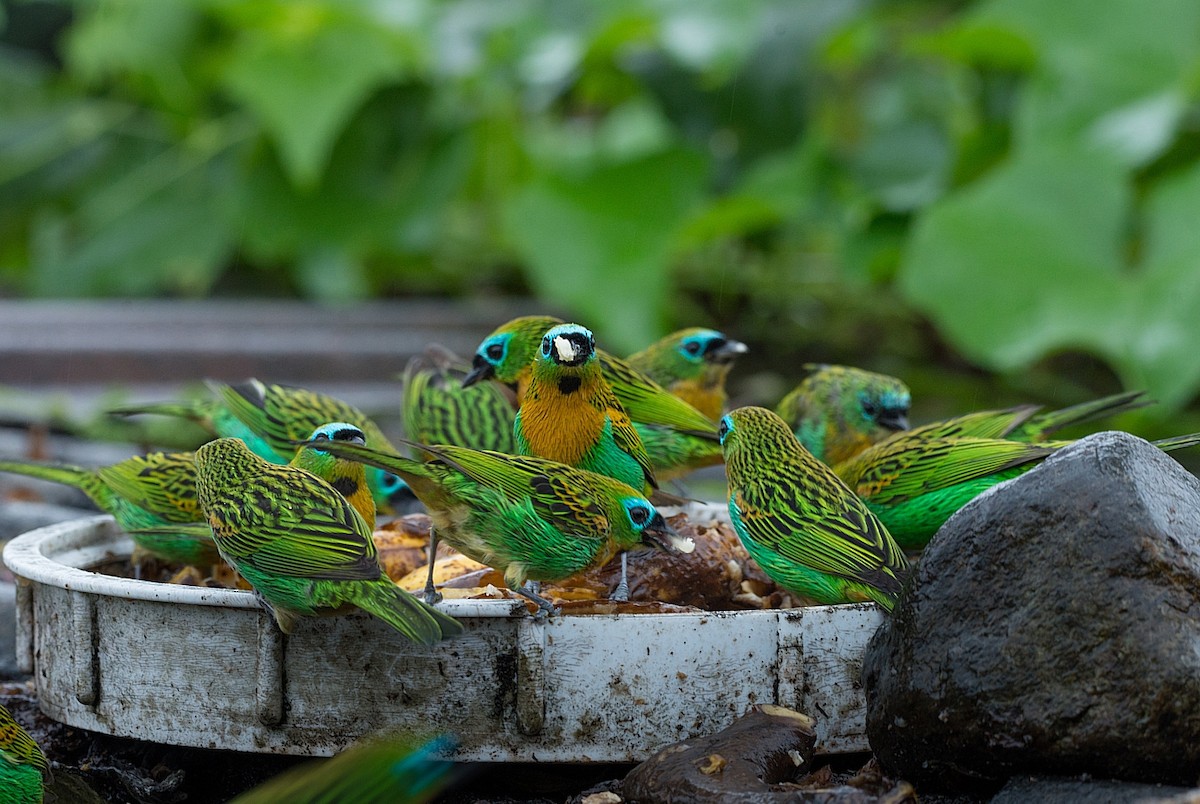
(639, 515)
(546, 345)
(321, 437)
(692, 347)
(723, 429)
(495, 351)
(389, 482)
(869, 408)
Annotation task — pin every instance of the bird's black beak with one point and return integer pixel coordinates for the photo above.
(480, 370)
(664, 537)
(725, 351)
(893, 419)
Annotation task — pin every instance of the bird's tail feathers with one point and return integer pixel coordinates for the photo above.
(1177, 442)
(179, 410)
(405, 612)
(1047, 423)
(65, 473)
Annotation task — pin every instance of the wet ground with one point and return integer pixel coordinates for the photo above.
(90, 767)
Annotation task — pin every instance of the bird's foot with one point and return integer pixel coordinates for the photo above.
(545, 607)
(431, 595)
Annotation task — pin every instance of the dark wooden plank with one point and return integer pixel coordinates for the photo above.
(85, 342)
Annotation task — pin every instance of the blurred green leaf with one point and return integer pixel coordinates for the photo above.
(1098, 58)
(333, 276)
(1158, 339)
(599, 244)
(1029, 261)
(166, 226)
(1025, 260)
(306, 69)
(148, 42)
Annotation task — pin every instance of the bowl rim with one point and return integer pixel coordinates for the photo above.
(35, 556)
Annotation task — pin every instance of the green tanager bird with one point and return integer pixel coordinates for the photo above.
(148, 491)
(677, 437)
(22, 764)
(692, 364)
(807, 530)
(299, 541)
(838, 411)
(393, 770)
(913, 482)
(437, 409)
(270, 419)
(530, 518)
(571, 415)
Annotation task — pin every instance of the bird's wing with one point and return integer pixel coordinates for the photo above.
(895, 471)
(164, 483)
(624, 433)
(292, 523)
(825, 529)
(648, 402)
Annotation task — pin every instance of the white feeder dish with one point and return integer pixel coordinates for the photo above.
(203, 667)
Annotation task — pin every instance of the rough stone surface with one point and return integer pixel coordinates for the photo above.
(1057, 790)
(1052, 627)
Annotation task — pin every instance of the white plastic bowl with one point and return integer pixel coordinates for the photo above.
(207, 667)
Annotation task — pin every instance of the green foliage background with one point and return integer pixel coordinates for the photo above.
(992, 199)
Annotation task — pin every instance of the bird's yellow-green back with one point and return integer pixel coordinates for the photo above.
(162, 482)
(281, 415)
(437, 409)
(301, 544)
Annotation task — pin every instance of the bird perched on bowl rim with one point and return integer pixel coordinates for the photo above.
(299, 541)
(807, 530)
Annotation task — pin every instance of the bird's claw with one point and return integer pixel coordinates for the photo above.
(544, 607)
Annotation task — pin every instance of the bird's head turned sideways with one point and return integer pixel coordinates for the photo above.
(886, 406)
(568, 345)
(710, 346)
(725, 428)
(487, 359)
(647, 522)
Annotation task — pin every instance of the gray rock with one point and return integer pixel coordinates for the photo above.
(1051, 627)
(1058, 790)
